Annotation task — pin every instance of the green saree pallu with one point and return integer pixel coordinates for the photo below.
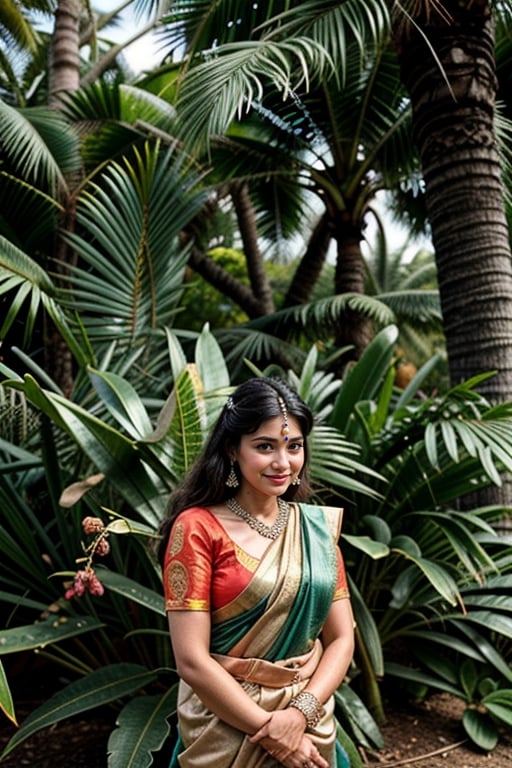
(267, 638)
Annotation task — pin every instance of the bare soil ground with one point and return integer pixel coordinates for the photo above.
(427, 735)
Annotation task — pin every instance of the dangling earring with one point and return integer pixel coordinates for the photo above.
(296, 480)
(232, 479)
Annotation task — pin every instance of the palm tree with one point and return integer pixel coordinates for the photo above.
(310, 40)
(338, 138)
(453, 98)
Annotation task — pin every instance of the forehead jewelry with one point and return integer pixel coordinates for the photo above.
(285, 430)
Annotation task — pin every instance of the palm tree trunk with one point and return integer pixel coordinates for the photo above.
(258, 276)
(307, 273)
(453, 122)
(222, 280)
(64, 70)
(453, 101)
(354, 329)
(64, 76)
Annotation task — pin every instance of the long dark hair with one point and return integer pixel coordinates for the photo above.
(252, 403)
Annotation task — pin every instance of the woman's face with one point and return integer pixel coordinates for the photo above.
(268, 463)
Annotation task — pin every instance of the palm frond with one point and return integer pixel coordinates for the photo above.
(334, 25)
(39, 144)
(28, 283)
(131, 223)
(414, 306)
(218, 90)
(16, 26)
(323, 313)
(111, 117)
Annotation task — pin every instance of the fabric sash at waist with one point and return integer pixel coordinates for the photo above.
(272, 674)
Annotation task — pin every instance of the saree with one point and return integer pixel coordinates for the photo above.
(267, 638)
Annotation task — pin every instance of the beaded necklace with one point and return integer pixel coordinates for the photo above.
(269, 531)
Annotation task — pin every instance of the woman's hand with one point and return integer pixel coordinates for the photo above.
(306, 756)
(283, 731)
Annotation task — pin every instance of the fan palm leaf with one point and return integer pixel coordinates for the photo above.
(26, 281)
(132, 222)
(110, 118)
(39, 145)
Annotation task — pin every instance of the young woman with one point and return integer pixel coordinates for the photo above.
(255, 587)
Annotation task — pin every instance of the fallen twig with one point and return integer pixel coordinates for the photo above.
(440, 751)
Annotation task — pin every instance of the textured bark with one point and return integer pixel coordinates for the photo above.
(65, 50)
(307, 273)
(453, 122)
(258, 277)
(224, 282)
(354, 329)
(64, 75)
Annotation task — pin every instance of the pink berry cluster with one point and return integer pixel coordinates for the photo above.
(85, 580)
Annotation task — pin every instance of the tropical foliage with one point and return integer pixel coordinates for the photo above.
(423, 575)
(111, 179)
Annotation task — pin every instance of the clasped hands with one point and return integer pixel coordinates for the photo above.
(283, 736)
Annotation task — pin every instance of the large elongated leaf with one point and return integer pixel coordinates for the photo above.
(100, 687)
(356, 712)
(142, 728)
(414, 675)
(363, 380)
(437, 576)
(39, 141)
(52, 630)
(367, 630)
(123, 401)
(132, 590)
(112, 453)
(6, 702)
(19, 271)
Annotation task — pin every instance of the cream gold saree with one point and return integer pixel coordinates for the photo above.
(267, 638)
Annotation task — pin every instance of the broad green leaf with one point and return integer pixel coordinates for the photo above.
(177, 357)
(363, 380)
(484, 647)
(115, 455)
(308, 374)
(480, 729)
(469, 678)
(446, 640)
(502, 713)
(101, 687)
(349, 746)
(414, 675)
(123, 402)
(52, 630)
(354, 708)
(441, 665)
(372, 548)
(403, 587)
(6, 702)
(437, 576)
(142, 728)
(211, 366)
(406, 544)
(493, 621)
(367, 629)
(450, 441)
(379, 528)
(499, 704)
(431, 444)
(132, 590)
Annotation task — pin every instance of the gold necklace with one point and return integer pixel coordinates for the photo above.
(269, 531)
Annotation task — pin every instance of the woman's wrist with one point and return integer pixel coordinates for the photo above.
(308, 704)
